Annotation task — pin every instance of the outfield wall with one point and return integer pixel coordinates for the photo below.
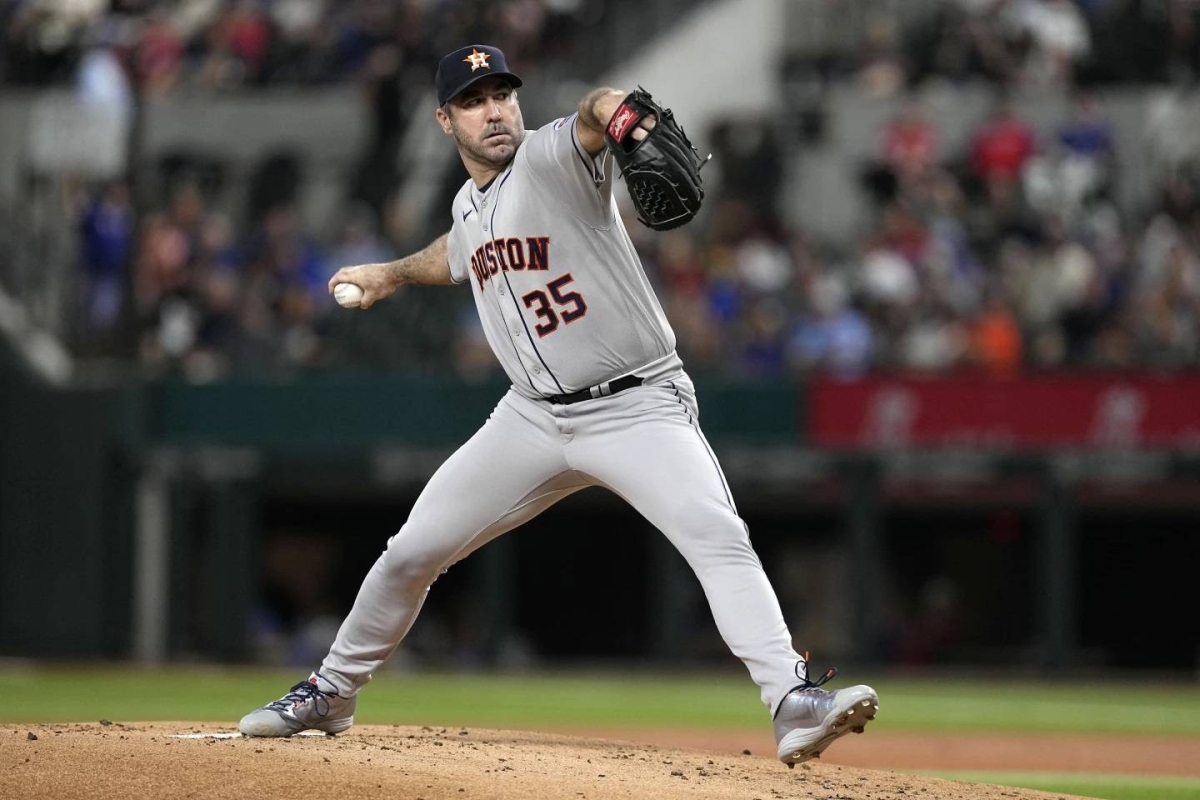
(143, 521)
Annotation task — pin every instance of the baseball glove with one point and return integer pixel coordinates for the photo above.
(662, 171)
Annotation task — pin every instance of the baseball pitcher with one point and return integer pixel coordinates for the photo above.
(598, 398)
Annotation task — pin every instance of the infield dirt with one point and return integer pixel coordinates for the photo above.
(145, 760)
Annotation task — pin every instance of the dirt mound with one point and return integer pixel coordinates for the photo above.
(146, 760)
(961, 750)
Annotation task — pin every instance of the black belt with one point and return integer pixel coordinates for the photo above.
(600, 390)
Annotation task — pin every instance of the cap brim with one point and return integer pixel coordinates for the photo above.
(511, 77)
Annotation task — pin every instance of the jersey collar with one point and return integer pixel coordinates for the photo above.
(482, 190)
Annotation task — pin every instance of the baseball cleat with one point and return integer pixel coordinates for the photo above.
(810, 718)
(313, 704)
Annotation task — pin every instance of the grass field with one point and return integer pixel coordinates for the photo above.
(123, 692)
(1113, 787)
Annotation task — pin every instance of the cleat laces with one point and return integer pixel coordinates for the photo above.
(809, 683)
(301, 693)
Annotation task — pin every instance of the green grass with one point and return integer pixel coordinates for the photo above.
(1027, 706)
(1109, 787)
(48, 694)
(40, 693)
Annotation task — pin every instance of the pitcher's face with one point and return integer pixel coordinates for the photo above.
(485, 121)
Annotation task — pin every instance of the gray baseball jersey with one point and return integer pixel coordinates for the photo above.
(566, 307)
(560, 289)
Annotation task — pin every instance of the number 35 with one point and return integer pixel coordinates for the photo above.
(545, 311)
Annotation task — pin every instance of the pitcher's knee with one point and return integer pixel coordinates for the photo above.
(411, 562)
(706, 522)
(707, 537)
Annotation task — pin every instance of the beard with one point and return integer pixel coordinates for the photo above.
(495, 145)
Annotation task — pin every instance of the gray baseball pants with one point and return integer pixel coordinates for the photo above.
(645, 444)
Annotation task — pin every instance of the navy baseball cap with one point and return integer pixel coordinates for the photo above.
(468, 64)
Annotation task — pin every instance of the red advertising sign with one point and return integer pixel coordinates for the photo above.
(1033, 412)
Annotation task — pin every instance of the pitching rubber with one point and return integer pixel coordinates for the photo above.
(850, 714)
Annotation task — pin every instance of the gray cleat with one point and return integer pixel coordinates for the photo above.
(809, 719)
(312, 704)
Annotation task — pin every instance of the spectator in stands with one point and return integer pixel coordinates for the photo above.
(1002, 146)
(162, 291)
(188, 212)
(761, 355)
(1183, 63)
(1079, 170)
(763, 264)
(886, 278)
(217, 278)
(980, 38)
(1062, 285)
(995, 337)
(999, 154)
(950, 262)
(684, 286)
(1168, 296)
(934, 338)
(833, 337)
(107, 233)
(908, 150)
(881, 71)
(359, 241)
(1059, 37)
(902, 229)
(910, 146)
(238, 46)
(158, 54)
(283, 293)
(1086, 133)
(726, 295)
(102, 80)
(283, 252)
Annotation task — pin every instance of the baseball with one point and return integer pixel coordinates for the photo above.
(348, 295)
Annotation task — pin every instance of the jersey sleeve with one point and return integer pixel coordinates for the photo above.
(457, 256)
(457, 251)
(580, 182)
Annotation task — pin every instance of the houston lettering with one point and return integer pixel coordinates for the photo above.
(531, 254)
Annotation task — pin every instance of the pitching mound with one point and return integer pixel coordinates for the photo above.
(149, 760)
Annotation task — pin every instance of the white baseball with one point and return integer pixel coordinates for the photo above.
(348, 295)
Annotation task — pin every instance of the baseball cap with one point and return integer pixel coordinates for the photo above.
(464, 66)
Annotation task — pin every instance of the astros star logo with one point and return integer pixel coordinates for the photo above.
(477, 60)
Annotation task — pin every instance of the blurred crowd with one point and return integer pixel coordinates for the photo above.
(1027, 43)
(169, 45)
(1009, 256)
(229, 45)
(170, 271)
(1006, 255)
